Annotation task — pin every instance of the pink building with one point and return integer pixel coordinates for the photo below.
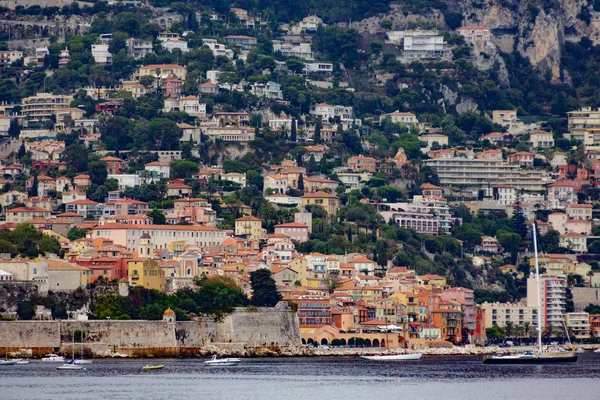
(561, 194)
(558, 221)
(466, 298)
(522, 157)
(295, 230)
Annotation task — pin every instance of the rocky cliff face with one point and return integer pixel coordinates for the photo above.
(535, 28)
(539, 27)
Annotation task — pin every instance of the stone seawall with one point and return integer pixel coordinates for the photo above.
(245, 330)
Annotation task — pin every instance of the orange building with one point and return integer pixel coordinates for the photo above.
(448, 317)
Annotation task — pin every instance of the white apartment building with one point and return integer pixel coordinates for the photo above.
(276, 183)
(171, 44)
(318, 67)
(300, 50)
(438, 207)
(126, 180)
(138, 48)
(424, 44)
(584, 126)
(230, 133)
(217, 48)
(161, 235)
(158, 170)
(541, 139)
(9, 57)
(162, 36)
(328, 112)
(553, 293)
(308, 24)
(476, 172)
(213, 76)
(269, 90)
(561, 194)
(189, 104)
(579, 324)
(397, 117)
(499, 314)
(352, 180)
(101, 54)
(412, 216)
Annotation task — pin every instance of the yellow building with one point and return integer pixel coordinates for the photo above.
(145, 272)
(44, 105)
(249, 227)
(300, 265)
(163, 71)
(329, 202)
(431, 281)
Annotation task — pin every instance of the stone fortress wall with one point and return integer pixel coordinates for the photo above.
(245, 328)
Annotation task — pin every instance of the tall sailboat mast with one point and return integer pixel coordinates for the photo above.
(539, 291)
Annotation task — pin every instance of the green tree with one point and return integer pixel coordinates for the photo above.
(264, 290)
(183, 169)
(317, 136)
(49, 245)
(301, 183)
(98, 172)
(158, 218)
(26, 310)
(293, 134)
(164, 134)
(76, 233)
(495, 334)
(518, 220)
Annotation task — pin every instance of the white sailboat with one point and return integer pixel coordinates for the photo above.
(543, 355)
(6, 361)
(81, 360)
(70, 365)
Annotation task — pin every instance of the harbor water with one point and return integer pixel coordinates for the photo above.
(433, 377)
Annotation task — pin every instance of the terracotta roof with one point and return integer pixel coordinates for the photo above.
(248, 218)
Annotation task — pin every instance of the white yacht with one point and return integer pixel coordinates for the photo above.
(53, 358)
(222, 362)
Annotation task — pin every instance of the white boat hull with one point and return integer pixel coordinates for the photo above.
(83, 362)
(394, 357)
(54, 359)
(224, 362)
(7, 362)
(70, 367)
(22, 362)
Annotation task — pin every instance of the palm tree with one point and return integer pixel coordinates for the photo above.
(527, 329)
(509, 329)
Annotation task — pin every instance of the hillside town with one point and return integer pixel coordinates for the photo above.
(159, 147)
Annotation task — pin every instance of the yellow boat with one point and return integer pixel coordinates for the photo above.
(152, 367)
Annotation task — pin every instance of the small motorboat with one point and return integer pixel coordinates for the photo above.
(394, 357)
(152, 367)
(53, 358)
(7, 362)
(70, 366)
(21, 361)
(597, 351)
(82, 361)
(222, 362)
